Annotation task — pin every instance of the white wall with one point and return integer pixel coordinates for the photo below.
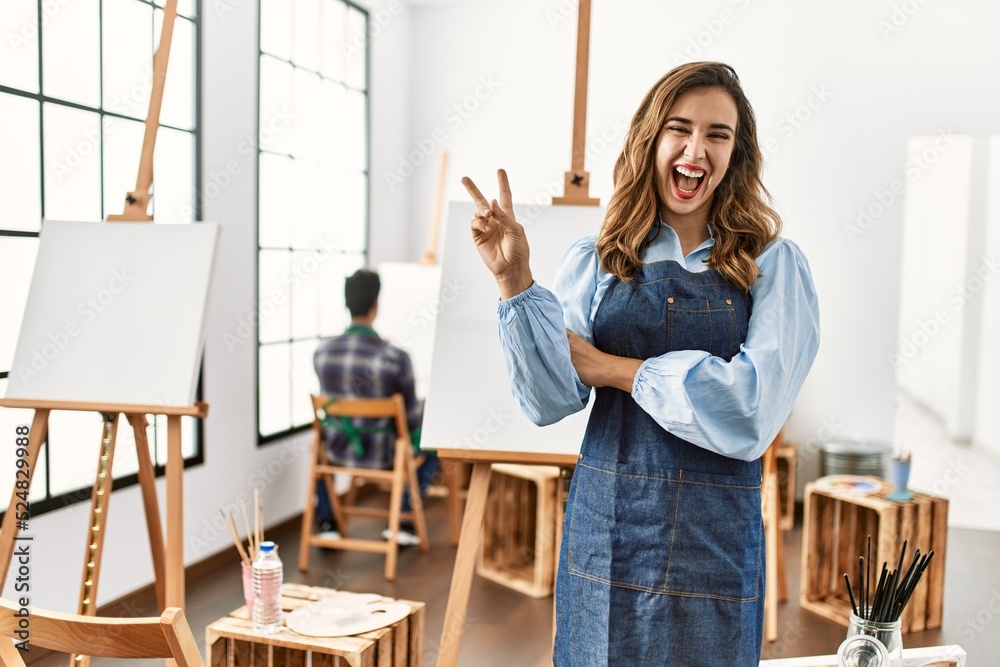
(234, 464)
(837, 87)
(988, 391)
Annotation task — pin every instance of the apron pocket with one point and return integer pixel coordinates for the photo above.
(717, 551)
(621, 526)
(695, 535)
(703, 324)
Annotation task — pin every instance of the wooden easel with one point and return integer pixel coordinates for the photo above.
(430, 254)
(577, 180)
(577, 193)
(168, 557)
(472, 526)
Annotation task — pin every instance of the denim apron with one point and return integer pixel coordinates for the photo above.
(662, 557)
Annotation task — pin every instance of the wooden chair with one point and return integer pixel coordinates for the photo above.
(168, 636)
(404, 471)
(776, 589)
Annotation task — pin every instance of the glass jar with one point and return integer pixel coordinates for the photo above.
(871, 644)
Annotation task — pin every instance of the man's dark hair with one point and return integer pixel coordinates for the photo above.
(361, 291)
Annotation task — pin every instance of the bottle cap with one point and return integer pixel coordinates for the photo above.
(267, 546)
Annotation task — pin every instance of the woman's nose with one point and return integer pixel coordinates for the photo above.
(695, 148)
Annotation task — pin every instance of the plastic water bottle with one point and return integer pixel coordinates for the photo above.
(267, 576)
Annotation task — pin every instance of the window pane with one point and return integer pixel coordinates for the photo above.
(71, 59)
(276, 28)
(275, 386)
(304, 380)
(355, 131)
(333, 314)
(274, 307)
(308, 114)
(304, 294)
(126, 460)
(307, 27)
(357, 31)
(72, 164)
(128, 57)
(11, 418)
(173, 169)
(19, 59)
(347, 228)
(77, 436)
(159, 434)
(277, 181)
(17, 262)
(275, 105)
(308, 222)
(331, 109)
(337, 47)
(178, 92)
(122, 146)
(20, 190)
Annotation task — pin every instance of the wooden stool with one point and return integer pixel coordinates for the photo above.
(232, 640)
(523, 510)
(835, 531)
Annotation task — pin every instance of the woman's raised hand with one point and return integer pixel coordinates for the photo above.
(500, 238)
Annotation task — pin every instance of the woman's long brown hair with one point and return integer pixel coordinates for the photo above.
(742, 222)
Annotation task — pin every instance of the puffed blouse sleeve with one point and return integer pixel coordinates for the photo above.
(532, 327)
(736, 408)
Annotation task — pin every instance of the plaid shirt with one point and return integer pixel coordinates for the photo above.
(359, 364)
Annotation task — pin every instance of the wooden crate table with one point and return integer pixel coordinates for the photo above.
(523, 512)
(834, 535)
(232, 642)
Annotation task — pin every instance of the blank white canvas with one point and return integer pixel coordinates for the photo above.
(115, 313)
(409, 304)
(469, 402)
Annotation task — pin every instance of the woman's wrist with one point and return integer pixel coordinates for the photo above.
(622, 373)
(514, 282)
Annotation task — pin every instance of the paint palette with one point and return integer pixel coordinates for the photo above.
(855, 485)
(346, 614)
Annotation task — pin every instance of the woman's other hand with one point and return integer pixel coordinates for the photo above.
(500, 238)
(599, 369)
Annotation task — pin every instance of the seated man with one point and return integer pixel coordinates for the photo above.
(359, 364)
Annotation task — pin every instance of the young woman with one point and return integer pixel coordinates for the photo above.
(697, 324)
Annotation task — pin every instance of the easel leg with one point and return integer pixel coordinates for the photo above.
(465, 559)
(147, 480)
(452, 476)
(8, 532)
(175, 515)
(100, 499)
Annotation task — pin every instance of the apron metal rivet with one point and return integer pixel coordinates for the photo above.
(670, 299)
(729, 302)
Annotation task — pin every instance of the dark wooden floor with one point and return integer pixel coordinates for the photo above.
(506, 628)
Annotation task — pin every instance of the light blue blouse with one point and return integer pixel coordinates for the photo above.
(734, 408)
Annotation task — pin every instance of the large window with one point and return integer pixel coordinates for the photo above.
(313, 192)
(75, 82)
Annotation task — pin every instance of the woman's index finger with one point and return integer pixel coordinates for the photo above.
(474, 192)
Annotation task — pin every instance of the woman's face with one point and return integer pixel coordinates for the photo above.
(693, 151)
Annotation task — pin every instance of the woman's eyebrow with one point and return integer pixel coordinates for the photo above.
(713, 126)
